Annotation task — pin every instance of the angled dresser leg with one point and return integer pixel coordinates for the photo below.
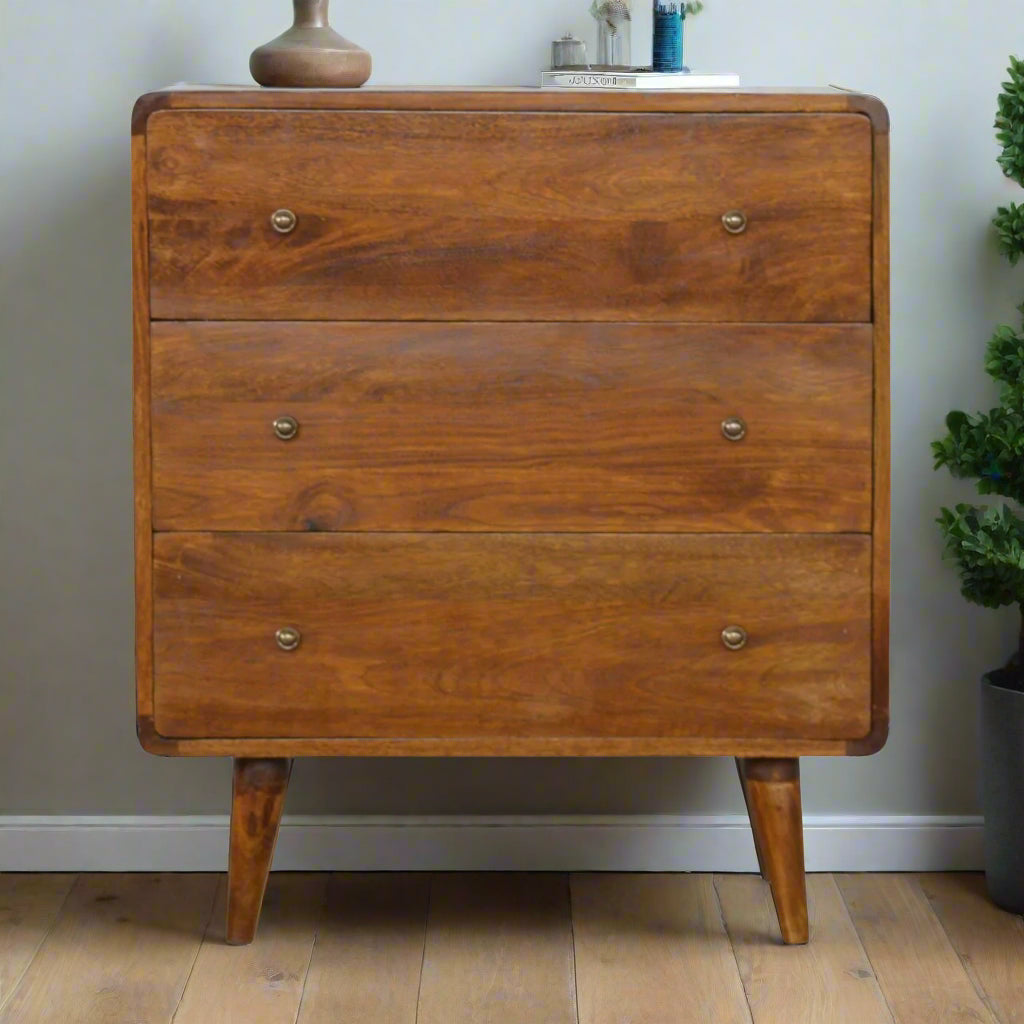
(746, 800)
(772, 789)
(257, 800)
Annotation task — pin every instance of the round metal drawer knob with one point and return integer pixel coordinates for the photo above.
(288, 638)
(734, 637)
(735, 222)
(734, 429)
(283, 221)
(286, 427)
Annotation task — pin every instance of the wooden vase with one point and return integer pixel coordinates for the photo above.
(310, 54)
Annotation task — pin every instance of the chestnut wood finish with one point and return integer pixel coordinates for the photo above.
(509, 216)
(509, 325)
(746, 802)
(756, 100)
(772, 790)
(142, 463)
(881, 497)
(511, 427)
(468, 635)
(257, 800)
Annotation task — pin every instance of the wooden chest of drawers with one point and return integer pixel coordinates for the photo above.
(511, 422)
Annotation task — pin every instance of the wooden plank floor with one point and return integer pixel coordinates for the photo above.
(505, 949)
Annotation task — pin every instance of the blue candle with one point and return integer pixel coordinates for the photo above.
(668, 37)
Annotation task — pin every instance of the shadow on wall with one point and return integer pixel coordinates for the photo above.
(514, 786)
(66, 542)
(66, 635)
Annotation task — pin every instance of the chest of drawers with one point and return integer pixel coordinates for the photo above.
(507, 422)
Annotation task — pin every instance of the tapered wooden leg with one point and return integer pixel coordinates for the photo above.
(257, 800)
(746, 800)
(772, 788)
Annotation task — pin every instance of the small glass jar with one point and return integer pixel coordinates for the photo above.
(568, 52)
(614, 27)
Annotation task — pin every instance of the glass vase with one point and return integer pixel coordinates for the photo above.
(614, 28)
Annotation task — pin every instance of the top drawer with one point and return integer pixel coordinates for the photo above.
(509, 216)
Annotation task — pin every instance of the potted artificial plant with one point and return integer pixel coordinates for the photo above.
(987, 542)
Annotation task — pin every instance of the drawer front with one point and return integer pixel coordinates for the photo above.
(603, 427)
(543, 635)
(509, 216)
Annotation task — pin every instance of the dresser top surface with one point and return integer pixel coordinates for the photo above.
(767, 100)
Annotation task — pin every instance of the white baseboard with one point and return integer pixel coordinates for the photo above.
(546, 843)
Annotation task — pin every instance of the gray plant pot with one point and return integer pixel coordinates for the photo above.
(1002, 791)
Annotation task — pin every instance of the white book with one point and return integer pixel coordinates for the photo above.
(632, 79)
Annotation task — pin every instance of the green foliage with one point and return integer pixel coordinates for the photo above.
(988, 547)
(987, 543)
(989, 446)
(693, 7)
(1010, 123)
(1009, 222)
(1004, 362)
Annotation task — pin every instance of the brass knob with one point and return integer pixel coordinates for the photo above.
(734, 637)
(288, 638)
(286, 427)
(735, 222)
(283, 221)
(734, 429)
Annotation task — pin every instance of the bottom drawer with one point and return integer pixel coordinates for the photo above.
(532, 635)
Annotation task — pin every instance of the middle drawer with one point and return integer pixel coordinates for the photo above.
(487, 426)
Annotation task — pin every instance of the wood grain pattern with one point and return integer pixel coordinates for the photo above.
(464, 216)
(511, 427)
(498, 951)
(121, 950)
(989, 941)
(494, 636)
(764, 101)
(141, 426)
(746, 803)
(654, 942)
(828, 981)
(29, 905)
(453, 635)
(771, 787)
(369, 951)
(263, 983)
(651, 949)
(881, 475)
(749, 100)
(257, 801)
(487, 746)
(917, 969)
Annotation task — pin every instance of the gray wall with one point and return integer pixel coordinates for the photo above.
(70, 72)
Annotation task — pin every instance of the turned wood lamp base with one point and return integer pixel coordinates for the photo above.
(771, 788)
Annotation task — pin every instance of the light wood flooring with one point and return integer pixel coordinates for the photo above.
(507, 949)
